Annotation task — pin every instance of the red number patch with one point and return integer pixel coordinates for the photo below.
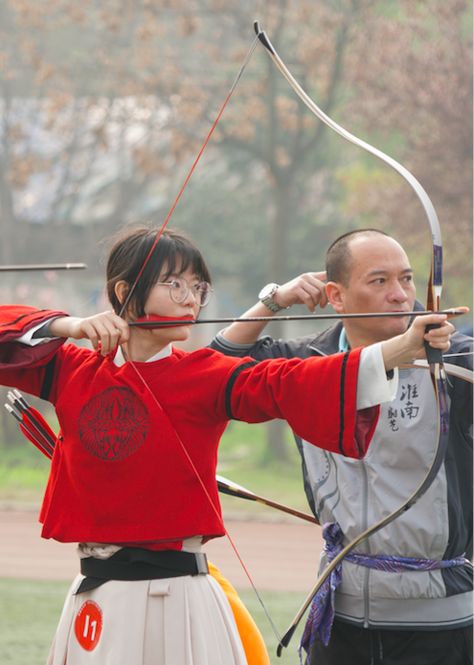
(88, 625)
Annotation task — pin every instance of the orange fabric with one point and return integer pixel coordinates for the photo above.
(254, 646)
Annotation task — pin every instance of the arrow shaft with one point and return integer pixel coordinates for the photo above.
(241, 493)
(157, 323)
(42, 266)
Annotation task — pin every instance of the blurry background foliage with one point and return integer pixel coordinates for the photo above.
(103, 107)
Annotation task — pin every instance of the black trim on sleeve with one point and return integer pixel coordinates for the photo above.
(48, 379)
(342, 402)
(19, 318)
(15, 321)
(230, 385)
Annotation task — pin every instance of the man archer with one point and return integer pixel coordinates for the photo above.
(408, 599)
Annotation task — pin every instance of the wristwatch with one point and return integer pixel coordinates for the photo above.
(266, 297)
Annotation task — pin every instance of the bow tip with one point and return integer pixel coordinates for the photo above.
(262, 35)
(285, 640)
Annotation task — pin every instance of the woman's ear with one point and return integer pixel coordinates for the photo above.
(121, 289)
(335, 294)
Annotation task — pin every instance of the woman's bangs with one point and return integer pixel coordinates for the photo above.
(183, 257)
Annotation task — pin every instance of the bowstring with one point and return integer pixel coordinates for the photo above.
(211, 502)
(132, 289)
(190, 173)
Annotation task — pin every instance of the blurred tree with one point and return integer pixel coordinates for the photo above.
(420, 69)
(103, 106)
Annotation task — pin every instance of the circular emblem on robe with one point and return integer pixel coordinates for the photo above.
(88, 625)
(113, 424)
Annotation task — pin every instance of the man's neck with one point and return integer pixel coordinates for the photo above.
(356, 339)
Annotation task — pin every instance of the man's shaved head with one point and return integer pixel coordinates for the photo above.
(339, 257)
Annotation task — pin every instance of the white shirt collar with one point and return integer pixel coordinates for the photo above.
(166, 351)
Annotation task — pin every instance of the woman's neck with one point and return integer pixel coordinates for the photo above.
(141, 350)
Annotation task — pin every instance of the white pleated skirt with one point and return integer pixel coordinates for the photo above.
(174, 621)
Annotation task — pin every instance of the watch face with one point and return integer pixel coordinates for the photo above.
(267, 290)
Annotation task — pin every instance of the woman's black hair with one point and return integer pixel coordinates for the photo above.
(174, 254)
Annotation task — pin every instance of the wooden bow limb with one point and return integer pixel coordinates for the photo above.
(435, 361)
(450, 368)
(226, 486)
(43, 266)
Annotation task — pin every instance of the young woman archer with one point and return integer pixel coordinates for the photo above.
(133, 473)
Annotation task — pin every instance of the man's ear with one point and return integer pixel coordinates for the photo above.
(121, 289)
(335, 293)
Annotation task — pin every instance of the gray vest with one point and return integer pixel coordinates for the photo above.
(358, 493)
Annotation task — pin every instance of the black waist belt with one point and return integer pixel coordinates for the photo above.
(134, 563)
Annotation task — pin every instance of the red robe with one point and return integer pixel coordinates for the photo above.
(119, 472)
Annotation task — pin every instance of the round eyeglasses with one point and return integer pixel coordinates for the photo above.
(179, 291)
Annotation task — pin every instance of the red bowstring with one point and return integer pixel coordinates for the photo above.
(129, 295)
(208, 496)
(188, 177)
